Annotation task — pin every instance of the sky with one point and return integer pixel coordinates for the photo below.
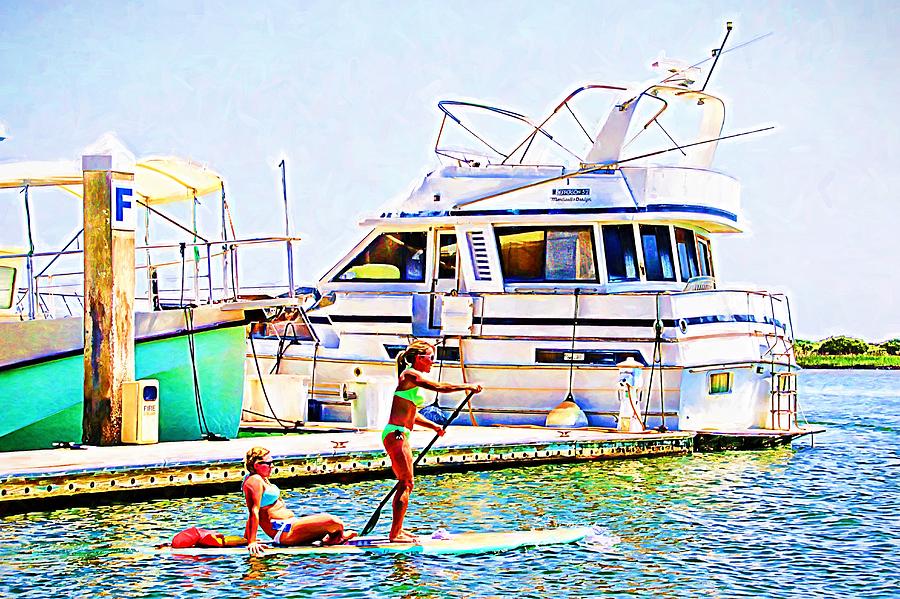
(346, 93)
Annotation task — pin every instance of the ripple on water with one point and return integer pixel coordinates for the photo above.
(813, 521)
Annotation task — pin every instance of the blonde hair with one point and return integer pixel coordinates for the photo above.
(253, 456)
(406, 358)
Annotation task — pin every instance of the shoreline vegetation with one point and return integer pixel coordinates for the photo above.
(848, 352)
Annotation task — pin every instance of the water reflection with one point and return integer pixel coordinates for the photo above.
(760, 523)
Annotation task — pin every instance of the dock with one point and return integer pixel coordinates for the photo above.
(49, 479)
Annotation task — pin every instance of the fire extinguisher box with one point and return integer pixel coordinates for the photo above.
(140, 412)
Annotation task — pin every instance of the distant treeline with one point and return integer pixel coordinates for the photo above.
(847, 352)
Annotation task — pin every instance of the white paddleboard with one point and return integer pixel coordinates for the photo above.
(451, 544)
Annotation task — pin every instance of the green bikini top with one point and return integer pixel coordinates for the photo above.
(413, 394)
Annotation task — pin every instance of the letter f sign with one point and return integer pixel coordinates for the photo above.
(121, 202)
(122, 206)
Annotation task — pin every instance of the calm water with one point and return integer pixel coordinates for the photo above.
(802, 521)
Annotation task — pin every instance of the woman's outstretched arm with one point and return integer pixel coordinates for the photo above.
(420, 381)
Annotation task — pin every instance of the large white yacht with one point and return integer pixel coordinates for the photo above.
(538, 266)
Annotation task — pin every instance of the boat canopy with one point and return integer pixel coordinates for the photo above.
(157, 179)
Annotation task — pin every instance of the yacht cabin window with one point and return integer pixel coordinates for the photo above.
(621, 258)
(657, 246)
(687, 253)
(389, 257)
(538, 254)
(7, 286)
(706, 268)
(446, 256)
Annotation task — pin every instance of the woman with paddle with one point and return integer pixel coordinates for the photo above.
(266, 508)
(413, 364)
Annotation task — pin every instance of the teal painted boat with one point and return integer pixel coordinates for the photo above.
(41, 325)
(42, 376)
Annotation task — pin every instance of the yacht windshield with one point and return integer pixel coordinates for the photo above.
(389, 257)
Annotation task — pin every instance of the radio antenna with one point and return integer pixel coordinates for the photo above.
(717, 53)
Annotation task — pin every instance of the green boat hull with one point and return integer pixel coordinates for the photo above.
(42, 403)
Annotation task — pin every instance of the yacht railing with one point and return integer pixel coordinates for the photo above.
(535, 130)
(46, 285)
(780, 337)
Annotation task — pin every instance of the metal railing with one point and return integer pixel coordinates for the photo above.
(43, 287)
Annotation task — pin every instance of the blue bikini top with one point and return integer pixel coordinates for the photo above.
(270, 495)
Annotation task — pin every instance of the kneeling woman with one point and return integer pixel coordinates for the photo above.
(412, 365)
(267, 509)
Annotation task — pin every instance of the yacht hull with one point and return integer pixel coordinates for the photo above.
(524, 394)
(710, 368)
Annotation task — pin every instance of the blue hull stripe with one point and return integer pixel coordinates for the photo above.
(369, 318)
(649, 209)
(559, 322)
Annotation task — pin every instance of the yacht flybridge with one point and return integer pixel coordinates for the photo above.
(539, 265)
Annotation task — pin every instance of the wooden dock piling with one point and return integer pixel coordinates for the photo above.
(109, 297)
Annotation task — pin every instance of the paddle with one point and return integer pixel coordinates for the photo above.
(374, 519)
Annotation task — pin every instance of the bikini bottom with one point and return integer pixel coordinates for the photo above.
(394, 428)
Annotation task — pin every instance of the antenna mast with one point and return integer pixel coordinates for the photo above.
(717, 53)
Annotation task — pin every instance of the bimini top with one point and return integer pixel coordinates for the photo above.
(157, 179)
(581, 163)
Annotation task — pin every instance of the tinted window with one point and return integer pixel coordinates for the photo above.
(447, 256)
(720, 382)
(570, 255)
(705, 257)
(545, 254)
(389, 257)
(621, 258)
(7, 286)
(687, 253)
(657, 247)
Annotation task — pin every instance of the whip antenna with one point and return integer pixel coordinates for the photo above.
(717, 53)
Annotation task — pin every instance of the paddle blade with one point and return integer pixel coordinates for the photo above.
(370, 525)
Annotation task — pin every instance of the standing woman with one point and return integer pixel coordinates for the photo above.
(266, 508)
(413, 364)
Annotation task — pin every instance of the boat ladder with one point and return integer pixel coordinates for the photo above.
(784, 404)
(784, 401)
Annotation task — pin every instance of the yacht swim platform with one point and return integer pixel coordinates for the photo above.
(49, 479)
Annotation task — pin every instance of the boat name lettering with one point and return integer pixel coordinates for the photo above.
(571, 194)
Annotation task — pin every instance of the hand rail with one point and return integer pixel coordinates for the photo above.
(229, 247)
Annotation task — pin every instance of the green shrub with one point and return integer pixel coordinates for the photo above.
(802, 346)
(842, 346)
(892, 347)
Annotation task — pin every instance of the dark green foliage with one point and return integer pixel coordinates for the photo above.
(842, 346)
(892, 347)
(803, 346)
